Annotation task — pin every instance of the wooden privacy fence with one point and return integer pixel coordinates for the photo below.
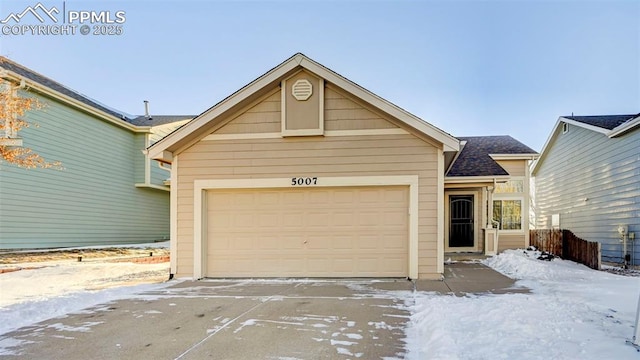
(565, 244)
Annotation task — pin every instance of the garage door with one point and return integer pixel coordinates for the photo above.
(308, 232)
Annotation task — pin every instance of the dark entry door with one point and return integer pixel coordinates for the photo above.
(461, 221)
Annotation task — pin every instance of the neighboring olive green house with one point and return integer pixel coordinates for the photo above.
(107, 191)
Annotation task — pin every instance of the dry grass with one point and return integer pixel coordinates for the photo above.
(7, 258)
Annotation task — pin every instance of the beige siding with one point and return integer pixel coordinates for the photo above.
(341, 113)
(344, 113)
(506, 241)
(263, 117)
(311, 156)
(514, 167)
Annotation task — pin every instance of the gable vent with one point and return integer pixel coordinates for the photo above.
(302, 90)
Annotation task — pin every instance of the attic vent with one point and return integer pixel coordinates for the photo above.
(302, 90)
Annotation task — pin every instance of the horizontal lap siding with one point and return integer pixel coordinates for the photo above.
(264, 117)
(343, 113)
(312, 156)
(582, 164)
(508, 241)
(514, 167)
(91, 201)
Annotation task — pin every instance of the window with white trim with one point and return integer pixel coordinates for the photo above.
(565, 128)
(508, 214)
(508, 202)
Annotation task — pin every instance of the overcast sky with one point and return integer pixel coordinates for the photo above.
(468, 67)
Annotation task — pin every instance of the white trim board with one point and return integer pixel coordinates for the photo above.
(173, 218)
(199, 207)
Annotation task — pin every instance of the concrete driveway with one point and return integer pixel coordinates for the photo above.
(289, 319)
(250, 319)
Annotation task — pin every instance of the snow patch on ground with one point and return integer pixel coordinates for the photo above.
(573, 312)
(30, 312)
(58, 279)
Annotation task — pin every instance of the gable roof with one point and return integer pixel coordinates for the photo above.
(38, 81)
(477, 157)
(609, 125)
(608, 122)
(199, 127)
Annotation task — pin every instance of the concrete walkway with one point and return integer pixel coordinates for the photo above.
(463, 278)
(249, 319)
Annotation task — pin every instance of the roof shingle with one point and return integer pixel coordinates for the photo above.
(608, 122)
(474, 159)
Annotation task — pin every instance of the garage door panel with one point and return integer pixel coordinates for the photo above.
(343, 197)
(317, 219)
(343, 219)
(369, 196)
(308, 232)
(342, 242)
(291, 199)
(267, 198)
(370, 218)
(391, 242)
(394, 218)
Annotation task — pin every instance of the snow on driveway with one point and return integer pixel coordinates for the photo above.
(44, 290)
(573, 312)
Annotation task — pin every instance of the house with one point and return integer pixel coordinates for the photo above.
(303, 173)
(108, 191)
(587, 180)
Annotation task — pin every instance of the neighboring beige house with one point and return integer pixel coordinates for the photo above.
(303, 173)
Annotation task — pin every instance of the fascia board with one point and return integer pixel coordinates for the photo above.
(475, 179)
(623, 128)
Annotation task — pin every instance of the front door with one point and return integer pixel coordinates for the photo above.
(461, 221)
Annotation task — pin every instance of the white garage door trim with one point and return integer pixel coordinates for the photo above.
(199, 206)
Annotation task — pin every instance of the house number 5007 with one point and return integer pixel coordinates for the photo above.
(297, 181)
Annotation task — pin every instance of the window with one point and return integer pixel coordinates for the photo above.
(511, 186)
(508, 214)
(508, 201)
(565, 128)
